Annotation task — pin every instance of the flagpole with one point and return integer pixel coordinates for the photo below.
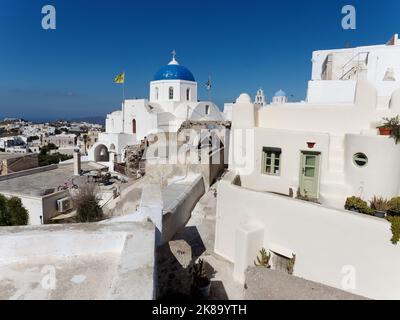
(123, 105)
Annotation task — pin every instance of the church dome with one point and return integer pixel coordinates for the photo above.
(280, 93)
(174, 71)
(243, 98)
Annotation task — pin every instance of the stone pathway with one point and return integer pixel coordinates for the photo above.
(199, 233)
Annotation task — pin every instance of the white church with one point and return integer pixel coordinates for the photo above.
(173, 99)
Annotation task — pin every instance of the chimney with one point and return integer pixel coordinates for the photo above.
(77, 163)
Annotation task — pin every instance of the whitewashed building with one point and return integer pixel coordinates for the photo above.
(335, 129)
(325, 149)
(172, 100)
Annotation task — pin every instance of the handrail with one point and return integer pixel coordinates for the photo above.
(351, 60)
(364, 52)
(352, 69)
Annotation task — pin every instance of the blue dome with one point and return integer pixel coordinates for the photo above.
(174, 72)
(280, 93)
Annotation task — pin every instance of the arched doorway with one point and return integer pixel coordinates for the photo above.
(134, 126)
(101, 154)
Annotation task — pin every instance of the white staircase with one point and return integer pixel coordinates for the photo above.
(333, 188)
(355, 67)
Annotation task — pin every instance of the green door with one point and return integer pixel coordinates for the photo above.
(309, 174)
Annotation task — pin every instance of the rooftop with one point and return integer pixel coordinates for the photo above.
(36, 183)
(88, 261)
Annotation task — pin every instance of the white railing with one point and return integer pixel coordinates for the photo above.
(360, 59)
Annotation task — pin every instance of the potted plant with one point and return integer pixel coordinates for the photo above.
(356, 204)
(201, 282)
(391, 127)
(380, 206)
(385, 130)
(263, 259)
(394, 206)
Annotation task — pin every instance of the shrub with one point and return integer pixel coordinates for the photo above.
(87, 204)
(19, 215)
(394, 205)
(395, 221)
(379, 204)
(359, 205)
(12, 212)
(5, 219)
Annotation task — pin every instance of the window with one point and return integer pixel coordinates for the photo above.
(271, 161)
(134, 126)
(156, 93)
(171, 93)
(187, 94)
(360, 159)
(207, 110)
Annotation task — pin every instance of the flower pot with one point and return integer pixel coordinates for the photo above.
(380, 214)
(204, 292)
(385, 131)
(393, 213)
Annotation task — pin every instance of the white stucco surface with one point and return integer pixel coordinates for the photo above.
(83, 261)
(327, 242)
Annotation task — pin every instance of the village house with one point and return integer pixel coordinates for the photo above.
(320, 152)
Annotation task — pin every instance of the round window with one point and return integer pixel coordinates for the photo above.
(360, 159)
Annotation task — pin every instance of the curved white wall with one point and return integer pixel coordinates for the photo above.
(381, 176)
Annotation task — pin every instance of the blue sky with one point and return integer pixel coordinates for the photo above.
(242, 45)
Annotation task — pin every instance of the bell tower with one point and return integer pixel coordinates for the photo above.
(260, 100)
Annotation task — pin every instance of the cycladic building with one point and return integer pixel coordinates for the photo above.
(172, 100)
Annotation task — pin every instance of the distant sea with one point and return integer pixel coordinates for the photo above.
(95, 119)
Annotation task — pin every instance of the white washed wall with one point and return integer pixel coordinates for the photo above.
(324, 240)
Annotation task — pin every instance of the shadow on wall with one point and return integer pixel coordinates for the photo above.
(174, 268)
(192, 236)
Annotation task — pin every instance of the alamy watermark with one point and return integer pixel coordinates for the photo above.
(49, 20)
(349, 278)
(349, 21)
(49, 280)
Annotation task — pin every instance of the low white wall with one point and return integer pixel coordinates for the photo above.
(58, 244)
(28, 172)
(177, 214)
(327, 91)
(324, 240)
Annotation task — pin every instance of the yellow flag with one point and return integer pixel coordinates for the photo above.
(120, 78)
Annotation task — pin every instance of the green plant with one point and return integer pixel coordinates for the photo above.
(263, 259)
(359, 205)
(5, 218)
(395, 221)
(304, 197)
(379, 204)
(290, 266)
(12, 212)
(394, 205)
(19, 215)
(200, 277)
(394, 125)
(87, 204)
